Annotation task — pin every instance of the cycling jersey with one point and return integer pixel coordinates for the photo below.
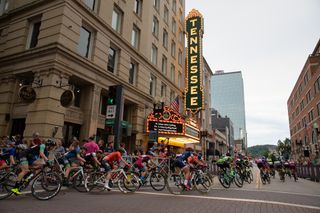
(91, 147)
(33, 153)
(72, 155)
(114, 156)
(180, 160)
(141, 159)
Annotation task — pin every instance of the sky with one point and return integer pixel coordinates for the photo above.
(269, 42)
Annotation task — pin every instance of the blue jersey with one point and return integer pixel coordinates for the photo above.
(7, 152)
(73, 153)
(184, 156)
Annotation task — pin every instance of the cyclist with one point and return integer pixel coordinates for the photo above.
(74, 159)
(140, 164)
(108, 164)
(180, 162)
(33, 157)
(195, 160)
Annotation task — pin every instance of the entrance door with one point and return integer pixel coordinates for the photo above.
(70, 130)
(18, 126)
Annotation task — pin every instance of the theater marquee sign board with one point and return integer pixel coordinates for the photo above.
(194, 100)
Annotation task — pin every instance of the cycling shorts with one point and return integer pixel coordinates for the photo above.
(106, 165)
(179, 163)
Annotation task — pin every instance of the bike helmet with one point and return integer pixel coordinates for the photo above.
(50, 142)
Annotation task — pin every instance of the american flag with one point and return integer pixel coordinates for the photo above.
(175, 104)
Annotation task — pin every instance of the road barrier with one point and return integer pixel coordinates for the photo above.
(309, 172)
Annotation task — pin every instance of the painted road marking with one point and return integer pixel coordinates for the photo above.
(254, 190)
(233, 199)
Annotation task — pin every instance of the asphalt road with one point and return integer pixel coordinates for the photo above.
(292, 197)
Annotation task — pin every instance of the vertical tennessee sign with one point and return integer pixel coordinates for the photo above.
(194, 92)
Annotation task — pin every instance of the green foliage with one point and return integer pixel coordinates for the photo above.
(284, 148)
(261, 150)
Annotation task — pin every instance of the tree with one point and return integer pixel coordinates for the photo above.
(284, 148)
(266, 153)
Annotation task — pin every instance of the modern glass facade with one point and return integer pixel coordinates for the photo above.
(227, 96)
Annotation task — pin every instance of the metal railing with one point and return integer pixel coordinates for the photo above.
(309, 172)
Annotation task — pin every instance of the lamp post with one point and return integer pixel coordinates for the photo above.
(158, 110)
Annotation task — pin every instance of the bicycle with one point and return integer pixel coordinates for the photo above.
(229, 175)
(199, 181)
(77, 174)
(264, 175)
(46, 183)
(127, 181)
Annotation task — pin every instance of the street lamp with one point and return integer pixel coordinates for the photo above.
(158, 111)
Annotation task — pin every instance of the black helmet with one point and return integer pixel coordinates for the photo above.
(50, 142)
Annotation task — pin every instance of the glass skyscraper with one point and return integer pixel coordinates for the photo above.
(227, 96)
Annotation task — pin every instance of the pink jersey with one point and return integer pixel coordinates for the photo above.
(91, 147)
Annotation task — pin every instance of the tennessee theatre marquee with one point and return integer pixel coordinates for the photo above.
(194, 100)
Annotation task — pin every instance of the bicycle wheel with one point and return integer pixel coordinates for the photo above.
(94, 182)
(224, 179)
(202, 183)
(6, 184)
(128, 183)
(263, 179)
(157, 181)
(174, 183)
(79, 182)
(46, 186)
(238, 180)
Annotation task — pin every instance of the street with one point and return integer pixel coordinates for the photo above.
(290, 196)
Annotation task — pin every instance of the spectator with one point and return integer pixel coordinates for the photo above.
(109, 148)
(102, 145)
(35, 139)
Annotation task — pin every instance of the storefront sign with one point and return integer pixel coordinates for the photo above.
(192, 132)
(166, 127)
(67, 98)
(27, 94)
(194, 100)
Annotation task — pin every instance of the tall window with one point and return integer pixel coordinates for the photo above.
(174, 6)
(317, 86)
(172, 95)
(172, 72)
(137, 7)
(166, 15)
(4, 6)
(152, 90)
(112, 54)
(174, 26)
(155, 26)
(181, 16)
(85, 42)
(34, 30)
(156, 4)
(165, 39)
(310, 114)
(180, 36)
(180, 57)
(164, 65)
(179, 79)
(154, 54)
(116, 19)
(173, 49)
(135, 37)
(90, 3)
(163, 90)
(308, 96)
(132, 72)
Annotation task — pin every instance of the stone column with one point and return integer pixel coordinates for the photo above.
(45, 114)
(91, 111)
(8, 94)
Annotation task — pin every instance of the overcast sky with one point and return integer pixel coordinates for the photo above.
(269, 41)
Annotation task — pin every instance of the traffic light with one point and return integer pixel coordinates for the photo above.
(111, 100)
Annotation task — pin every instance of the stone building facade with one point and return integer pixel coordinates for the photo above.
(87, 46)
